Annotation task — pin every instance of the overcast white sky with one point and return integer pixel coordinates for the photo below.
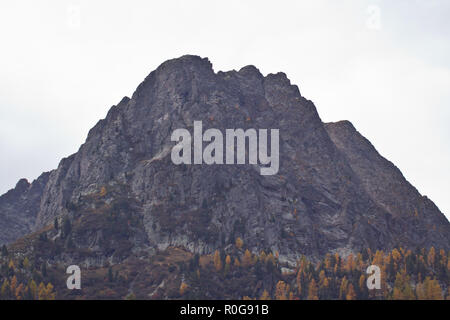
(383, 65)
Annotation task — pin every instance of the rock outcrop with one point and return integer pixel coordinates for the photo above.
(333, 191)
(19, 208)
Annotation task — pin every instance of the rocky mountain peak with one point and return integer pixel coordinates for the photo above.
(22, 185)
(333, 191)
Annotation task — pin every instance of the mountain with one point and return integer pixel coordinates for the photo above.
(122, 193)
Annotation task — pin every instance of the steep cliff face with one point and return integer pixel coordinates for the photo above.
(410, 214)
(332, 191)
(19, 208)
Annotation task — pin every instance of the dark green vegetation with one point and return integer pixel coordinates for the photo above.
(178, 274)
(106, 238)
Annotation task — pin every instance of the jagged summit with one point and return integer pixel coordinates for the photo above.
(333, 191)
(187, 59)
(22, 184)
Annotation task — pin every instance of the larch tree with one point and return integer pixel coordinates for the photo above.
(33, 289)
(239, 243)
(262, 257)
(13, 286)
(183, 288)
(350, 265)
(351, 295)
(343, 288)
(5, 291)
(298, 280)
(247, 260)
(431, 257)
(281, 291)
(217, 261)
(312, 290)
(228, 260)
(362, 283)
(49, 293)
(265, 295)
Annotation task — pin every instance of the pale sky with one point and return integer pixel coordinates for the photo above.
(383, 65)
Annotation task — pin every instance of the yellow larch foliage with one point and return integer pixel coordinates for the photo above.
(312, 291)
(270, 259)
(239, 243)
(11, 264)
(281, 291)
(33, 289)
(228, 260)
(362, 282)
(217, 261)
(321, 277)
(429, 290)
(396, 255)
(26, 263)
(431, 256)
(5, 289)
(13, 285)
(247, 259)
(351, 295)
(102, 192)
(350, 265)
(327, 262)
(50, 294)
(298, 281)
(265, 295)
(183, 288)
(343, 288)
(262, 256)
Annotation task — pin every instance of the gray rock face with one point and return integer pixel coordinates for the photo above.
(19, 208)
(410, 214)
(333, 191)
